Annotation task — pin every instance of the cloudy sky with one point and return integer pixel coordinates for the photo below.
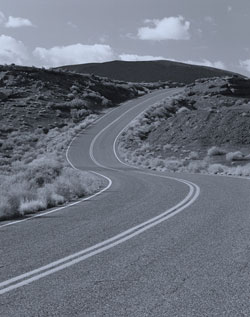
(60, 32)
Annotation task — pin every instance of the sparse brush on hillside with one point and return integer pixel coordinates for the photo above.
(40, 112)
(37, 176)
(215, 150)
(137, 147)
(31, 97)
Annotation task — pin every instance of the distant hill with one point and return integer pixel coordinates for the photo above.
(149, 71)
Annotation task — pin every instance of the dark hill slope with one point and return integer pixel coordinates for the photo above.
(149, 71)
(32, 97)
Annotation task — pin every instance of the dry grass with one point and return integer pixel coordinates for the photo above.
(215, 150)
(234, 156)
(38, 177)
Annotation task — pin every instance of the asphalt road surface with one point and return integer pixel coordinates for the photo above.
(150, 244)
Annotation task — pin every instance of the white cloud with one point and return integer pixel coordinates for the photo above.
(172, 28)
(15, 22)
(229, 8)
(134, 57)
(12, 51)
(245, 64)
(74, 54)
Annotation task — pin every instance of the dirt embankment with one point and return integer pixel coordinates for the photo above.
(209, 113)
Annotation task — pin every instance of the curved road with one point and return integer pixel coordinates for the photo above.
(151, 244)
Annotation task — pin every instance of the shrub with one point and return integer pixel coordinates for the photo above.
(215, 150)
(193, 155)
(41, 178)
(195, 167)
(29, 206)
(240, 170)
(78, 103)
(42, 185)
(234, 156)
(217, 168)
(173, 165)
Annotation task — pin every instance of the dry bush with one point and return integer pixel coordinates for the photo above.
(196, 167)
(215, 150)
(42, 184)
(173, 165)
(234, 156)
(240, 170)
(217, 169)
(37, 176)
(193, 155)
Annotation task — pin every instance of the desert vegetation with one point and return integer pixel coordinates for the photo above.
(40, 112)
(34, 175)
(204, 129)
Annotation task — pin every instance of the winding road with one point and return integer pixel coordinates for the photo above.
(149, 244)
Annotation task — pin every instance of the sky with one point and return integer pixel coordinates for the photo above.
(61, 32)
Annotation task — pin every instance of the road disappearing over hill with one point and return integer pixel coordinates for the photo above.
(150, 244)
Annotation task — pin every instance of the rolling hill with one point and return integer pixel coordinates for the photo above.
(149, 71)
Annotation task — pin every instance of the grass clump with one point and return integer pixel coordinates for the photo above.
(234, 156)
(215, 150)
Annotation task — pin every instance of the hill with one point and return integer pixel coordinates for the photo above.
(40, 112)
(149, 71)
(33, 97)
(204, 128)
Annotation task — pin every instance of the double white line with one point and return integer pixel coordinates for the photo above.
(53, 267)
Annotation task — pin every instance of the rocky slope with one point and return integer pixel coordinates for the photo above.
(33, 97)
(209, 122)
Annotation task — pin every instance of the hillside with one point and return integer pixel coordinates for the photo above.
(32, 97)
(205, 128)
(149, 71)
(40, 112)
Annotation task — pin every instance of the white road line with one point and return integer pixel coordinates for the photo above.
(72, 259)
(138, 168)
(79, 201)
(118, 135)
(84, 254)
(109, 125)
(75, 258)
(74, 203)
